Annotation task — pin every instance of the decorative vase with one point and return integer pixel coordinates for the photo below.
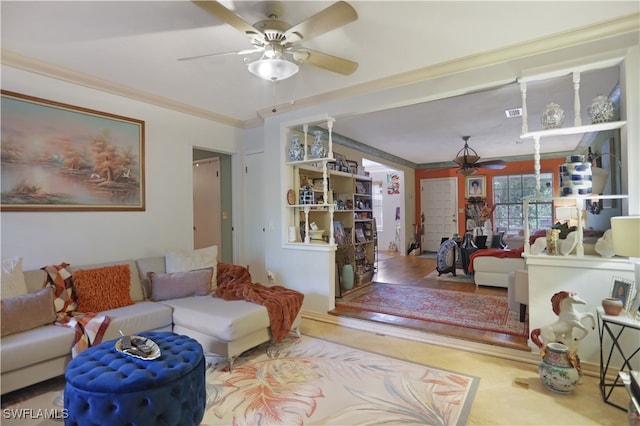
(296, 150)
(601, 110)
(347, 277)
(317, 148)
(552, 117)
(553, 241)
(555, 369)
(576, 176)
(612, 306)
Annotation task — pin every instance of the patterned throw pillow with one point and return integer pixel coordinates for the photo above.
(62, 281)
(102, 289)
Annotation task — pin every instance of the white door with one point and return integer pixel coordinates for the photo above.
(439, 205)
(206, 203)
(254, 219)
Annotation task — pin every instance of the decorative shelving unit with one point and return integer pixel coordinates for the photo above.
(325, 197)
(577, 128)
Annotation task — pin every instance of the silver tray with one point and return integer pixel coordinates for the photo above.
(155, 350)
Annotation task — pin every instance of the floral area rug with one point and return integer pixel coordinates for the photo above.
(300, 381)
(471, 310)
(312, 381)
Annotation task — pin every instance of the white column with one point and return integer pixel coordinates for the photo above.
(525, 115)
(577, 121)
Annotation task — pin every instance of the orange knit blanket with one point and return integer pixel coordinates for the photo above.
(283, 304)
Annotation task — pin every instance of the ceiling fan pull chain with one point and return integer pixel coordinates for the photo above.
(273, 85)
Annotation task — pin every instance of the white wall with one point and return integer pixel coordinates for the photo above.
(389, 204)
(43, 238)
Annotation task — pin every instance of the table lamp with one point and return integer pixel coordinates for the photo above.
(625, 232)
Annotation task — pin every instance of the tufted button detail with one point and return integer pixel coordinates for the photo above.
(106, 387)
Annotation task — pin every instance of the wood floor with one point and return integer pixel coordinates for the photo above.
(410, 270)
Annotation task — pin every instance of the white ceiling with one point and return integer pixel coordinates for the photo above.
(137, 44)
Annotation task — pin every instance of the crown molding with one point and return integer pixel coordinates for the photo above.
(46, 69)
(606, 30)
(609, 29)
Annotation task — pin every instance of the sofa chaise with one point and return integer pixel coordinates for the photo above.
(224, 327)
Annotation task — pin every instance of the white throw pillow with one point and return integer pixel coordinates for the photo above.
(13, 283)
(187, 260)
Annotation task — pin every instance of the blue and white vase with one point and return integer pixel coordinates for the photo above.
(317, 147)
(552, 117)
(601, 110)
(296, 150)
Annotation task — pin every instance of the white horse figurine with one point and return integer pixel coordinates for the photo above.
(568, 319)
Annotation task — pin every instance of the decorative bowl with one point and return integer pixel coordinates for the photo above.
(612, 306)
(316, 234)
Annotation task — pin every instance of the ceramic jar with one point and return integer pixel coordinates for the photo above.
(552, 117)
(576, 176)
(612, 306)
(555, 369)
(317, 147)
(347, 277)
(296, 150)
(601, 110)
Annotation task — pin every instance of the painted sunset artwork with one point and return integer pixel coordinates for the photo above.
(59, 157)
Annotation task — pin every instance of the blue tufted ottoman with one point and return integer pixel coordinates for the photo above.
(105, 387)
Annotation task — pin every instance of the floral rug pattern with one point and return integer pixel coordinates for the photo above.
(312, 381)
(472, 310)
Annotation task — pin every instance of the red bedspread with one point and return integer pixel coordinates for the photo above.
(283, 304)
(516, 253)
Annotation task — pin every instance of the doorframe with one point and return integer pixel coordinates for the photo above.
(422, 200)
(226, 254)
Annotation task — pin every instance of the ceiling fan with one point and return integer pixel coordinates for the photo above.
(469, 160)
(279, 41)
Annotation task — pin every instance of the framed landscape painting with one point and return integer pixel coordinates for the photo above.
(59, 157)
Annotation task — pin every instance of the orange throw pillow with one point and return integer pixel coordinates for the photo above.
(101, 289)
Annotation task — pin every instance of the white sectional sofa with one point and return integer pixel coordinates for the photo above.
(223, 327)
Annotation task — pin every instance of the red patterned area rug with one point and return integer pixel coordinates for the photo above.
(471, 310)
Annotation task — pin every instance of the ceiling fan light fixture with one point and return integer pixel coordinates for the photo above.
(273, 69)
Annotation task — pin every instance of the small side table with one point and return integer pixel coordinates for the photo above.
(615, 326)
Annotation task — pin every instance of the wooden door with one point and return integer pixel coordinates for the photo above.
(439, 205)
(206, 203)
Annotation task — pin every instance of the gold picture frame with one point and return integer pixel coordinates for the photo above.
(475, 187)
(60, 157)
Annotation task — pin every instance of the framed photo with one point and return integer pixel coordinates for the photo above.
(341, 162)
(623, 289)
(339, 234)
(360, 235)
(475, 187)
(60, 157)
(353, 167)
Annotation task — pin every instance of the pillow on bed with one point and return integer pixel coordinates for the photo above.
(27, 311)
(189, 260)
(101, 289)
(174, 285)
(13, 283)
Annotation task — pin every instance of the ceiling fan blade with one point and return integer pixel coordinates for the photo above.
(334, 16)
(326, 61)
(235, 52)
(221, 12)
(494, 164)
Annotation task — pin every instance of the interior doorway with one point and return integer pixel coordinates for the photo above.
(387, 205)
(212, 202)
(206, 203)
(439, 208)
